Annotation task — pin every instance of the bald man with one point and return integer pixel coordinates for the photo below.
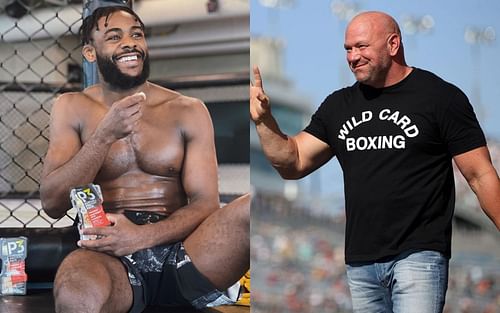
(395, 133)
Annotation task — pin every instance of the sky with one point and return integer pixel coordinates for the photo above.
(315, 57)
(315, 61)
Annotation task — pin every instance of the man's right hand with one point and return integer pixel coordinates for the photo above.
(121, 118)
(259, 101)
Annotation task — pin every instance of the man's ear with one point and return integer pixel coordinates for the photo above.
(394, 43)
(89, 53)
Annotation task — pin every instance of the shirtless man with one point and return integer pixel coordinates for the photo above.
(154, 158)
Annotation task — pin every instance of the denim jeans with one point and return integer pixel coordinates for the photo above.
(408, 283)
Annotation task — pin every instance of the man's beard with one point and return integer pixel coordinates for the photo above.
(118, 80)
(375, 75)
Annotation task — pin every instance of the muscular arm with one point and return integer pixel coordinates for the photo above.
(293, 157)
(482, 177)
(199, 178)
(68, 163)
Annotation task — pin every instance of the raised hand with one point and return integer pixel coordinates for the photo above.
(122, 117)
(259, 101)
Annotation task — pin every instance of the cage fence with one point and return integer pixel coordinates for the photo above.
(39, 59)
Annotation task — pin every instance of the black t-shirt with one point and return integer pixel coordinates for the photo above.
(395, 147)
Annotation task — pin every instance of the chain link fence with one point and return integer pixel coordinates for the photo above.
(39, 59)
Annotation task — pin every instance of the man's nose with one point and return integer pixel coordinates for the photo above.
(127, 42)
(353, 55)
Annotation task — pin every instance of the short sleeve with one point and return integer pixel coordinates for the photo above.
(318, 126)
(459, 126)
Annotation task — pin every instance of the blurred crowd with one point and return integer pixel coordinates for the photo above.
(298, 263)
(473, 289)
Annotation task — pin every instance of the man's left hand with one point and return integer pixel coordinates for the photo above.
(119, 239)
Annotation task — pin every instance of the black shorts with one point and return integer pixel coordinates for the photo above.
(165, 276)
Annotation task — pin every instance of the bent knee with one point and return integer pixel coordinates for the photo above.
(80, 284)
(74, 295)
(88, 281)
(242, 208)
(82, 274)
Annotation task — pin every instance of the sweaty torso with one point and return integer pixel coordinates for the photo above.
(142, 171)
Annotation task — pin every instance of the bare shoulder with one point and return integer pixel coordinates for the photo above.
(64, 106)
(64, 100)
(76, 99)
(71, 107)
(164, 96)
(188, 113)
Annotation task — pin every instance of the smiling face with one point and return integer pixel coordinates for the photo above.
(368, 43)
(119, 47)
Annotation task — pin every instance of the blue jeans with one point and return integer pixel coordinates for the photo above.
(408, 283)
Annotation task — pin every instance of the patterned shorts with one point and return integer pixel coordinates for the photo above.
(165, 276)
